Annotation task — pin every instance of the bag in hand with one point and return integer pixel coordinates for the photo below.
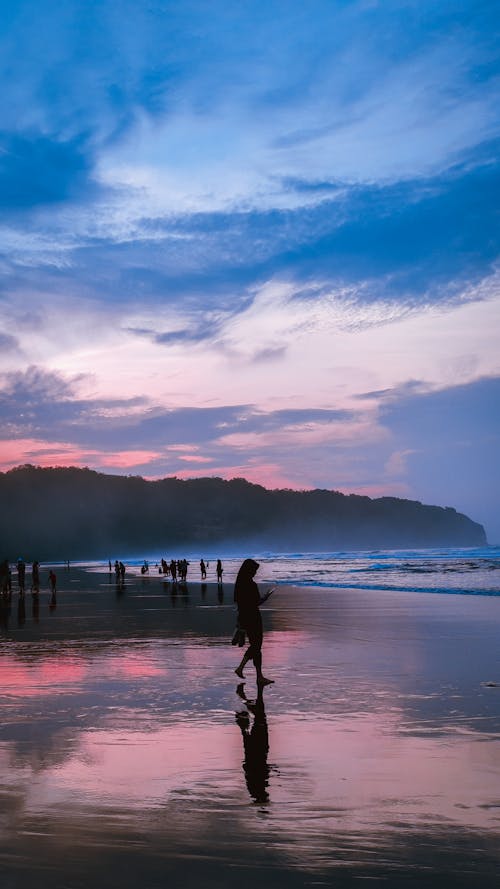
(239, 637)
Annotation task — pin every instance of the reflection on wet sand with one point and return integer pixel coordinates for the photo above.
(255, 744)
(129, 756)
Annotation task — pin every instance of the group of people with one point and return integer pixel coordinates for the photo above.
(176, 569)
(119, 571)
(204, 566)
(6, 578)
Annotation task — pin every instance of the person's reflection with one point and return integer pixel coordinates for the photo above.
(203, 591)
(36, 609)
(21, 611)
(255, 744)
(5, 606)
(53, 602)
(183, 593)
(220, 594)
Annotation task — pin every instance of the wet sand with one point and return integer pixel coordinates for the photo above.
(130, 756)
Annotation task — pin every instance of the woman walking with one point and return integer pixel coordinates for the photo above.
(248, 600)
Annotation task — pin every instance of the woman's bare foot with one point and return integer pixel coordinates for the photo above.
(239, 672)
(263, 681)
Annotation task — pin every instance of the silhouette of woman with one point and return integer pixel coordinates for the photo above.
(255, 745)
(248, 600)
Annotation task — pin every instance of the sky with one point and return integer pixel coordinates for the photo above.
(254, 239)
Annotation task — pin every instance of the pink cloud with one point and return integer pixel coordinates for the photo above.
(270, 475)
(388, 489)
(27, 450)
(30, 450)
(127, 459)
(193, 458)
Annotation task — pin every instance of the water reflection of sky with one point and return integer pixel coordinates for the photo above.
(383, 741)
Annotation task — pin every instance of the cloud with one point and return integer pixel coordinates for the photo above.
(8, 343)
(39, 403)
(38, 170)
(450, 440)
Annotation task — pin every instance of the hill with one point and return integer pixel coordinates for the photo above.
(70, 513)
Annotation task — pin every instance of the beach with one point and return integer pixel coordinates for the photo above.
(130, 754)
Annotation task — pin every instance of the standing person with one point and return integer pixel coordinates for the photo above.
(248, 600)
(203, 569)
(52, 581)
(21, 573)
(35, 577)
(219, 572)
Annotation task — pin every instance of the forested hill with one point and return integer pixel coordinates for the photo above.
(69, 513)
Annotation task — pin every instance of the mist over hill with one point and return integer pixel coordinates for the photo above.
(71, 513)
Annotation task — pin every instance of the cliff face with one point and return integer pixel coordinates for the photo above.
(77, 513)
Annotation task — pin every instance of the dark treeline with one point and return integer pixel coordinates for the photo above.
(70, 513)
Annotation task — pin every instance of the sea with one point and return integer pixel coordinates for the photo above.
(443, 570)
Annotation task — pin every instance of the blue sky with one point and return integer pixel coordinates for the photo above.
(254, 239)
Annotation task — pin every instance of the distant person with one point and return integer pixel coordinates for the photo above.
(219, 572)
(35, 577)
(203, 569)
(182, 568)
(21, 574)
(248, 600)
(52, 581)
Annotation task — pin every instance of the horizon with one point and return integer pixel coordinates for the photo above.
(254, 251)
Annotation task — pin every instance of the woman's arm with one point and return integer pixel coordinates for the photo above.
(265, 597)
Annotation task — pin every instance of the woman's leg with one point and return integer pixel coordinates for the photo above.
(246, 657)
(254, 633)
(254, 652)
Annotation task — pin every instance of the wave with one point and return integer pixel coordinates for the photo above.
(436, 568)
(450, 591)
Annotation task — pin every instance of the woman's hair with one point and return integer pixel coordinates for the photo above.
(246, 572)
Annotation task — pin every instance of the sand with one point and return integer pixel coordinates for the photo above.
(129, 756)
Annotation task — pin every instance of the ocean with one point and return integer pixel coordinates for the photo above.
(441, 570)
